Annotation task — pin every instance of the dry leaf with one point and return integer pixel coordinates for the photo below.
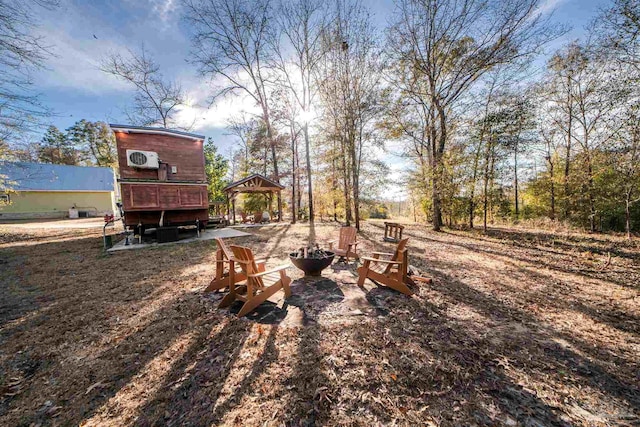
(98, 384)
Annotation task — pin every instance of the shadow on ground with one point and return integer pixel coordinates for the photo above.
(495, 339)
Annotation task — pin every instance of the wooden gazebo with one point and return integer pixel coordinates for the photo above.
(255, 183)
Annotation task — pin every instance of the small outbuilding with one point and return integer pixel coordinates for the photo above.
(253, 184)
(162, 177)
(38, 190)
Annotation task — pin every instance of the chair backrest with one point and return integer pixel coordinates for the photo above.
(247, 263)
(400, 254)
(347, 237)
(223, 248)
(257, 217)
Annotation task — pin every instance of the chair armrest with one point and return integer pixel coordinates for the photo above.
(382, 253)
(384, 261)
(352, 244)
(258, 262)
(273, 270)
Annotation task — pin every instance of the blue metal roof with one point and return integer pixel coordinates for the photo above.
(22, 176)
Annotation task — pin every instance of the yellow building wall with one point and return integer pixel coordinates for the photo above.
(56, 204)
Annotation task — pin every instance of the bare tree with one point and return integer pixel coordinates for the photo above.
(552, 141)
(301, 22)
(286, 114)
(231, 41)
(618, 30)
(20, 53)
(592, 92)
(156, 100)
(450, 44)
(563, 71)
(241, 129)
(626, 156)
(350, 89)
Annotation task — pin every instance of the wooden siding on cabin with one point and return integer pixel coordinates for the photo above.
(163, 196)
(185, 154)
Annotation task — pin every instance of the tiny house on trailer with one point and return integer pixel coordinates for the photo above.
(162, 177)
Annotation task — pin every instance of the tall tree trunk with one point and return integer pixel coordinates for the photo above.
(476, 159)
(472, 196)
(334, 186)
(347, 188)
(438, 154)
(294, 167)
(413, 205)
(354, 181)
(356, 202)
(627, 213)
(266, 160)
(553, 190)
(309, 178)
(592, 201)
(515, 179)
(276, 173)
(298, 183)
(567, 160)
(492, 183)
(485, 192)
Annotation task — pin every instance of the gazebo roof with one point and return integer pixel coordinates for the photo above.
(255, 183)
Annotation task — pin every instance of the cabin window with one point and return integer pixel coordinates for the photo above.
(5, 198)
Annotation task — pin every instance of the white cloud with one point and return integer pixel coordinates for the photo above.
(548, 6)
(164, 8)
(217, 115)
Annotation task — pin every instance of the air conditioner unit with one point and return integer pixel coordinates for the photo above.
(142, 159)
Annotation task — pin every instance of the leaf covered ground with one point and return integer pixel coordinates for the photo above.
(518, 327)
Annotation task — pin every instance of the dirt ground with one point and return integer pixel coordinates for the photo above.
(519, 327)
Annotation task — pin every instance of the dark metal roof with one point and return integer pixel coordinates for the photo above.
(23, 176)
(144, 129)
(268, 181)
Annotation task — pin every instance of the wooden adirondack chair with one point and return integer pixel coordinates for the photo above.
(224, 264)
(391, 272)
(347, 244)
(244, 216)
(257, 218)
(259, 284)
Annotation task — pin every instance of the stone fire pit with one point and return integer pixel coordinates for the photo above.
(311, 260)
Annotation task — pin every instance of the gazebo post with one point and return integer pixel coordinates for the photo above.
(233, 205)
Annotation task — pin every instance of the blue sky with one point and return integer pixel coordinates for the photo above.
(80, 33)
